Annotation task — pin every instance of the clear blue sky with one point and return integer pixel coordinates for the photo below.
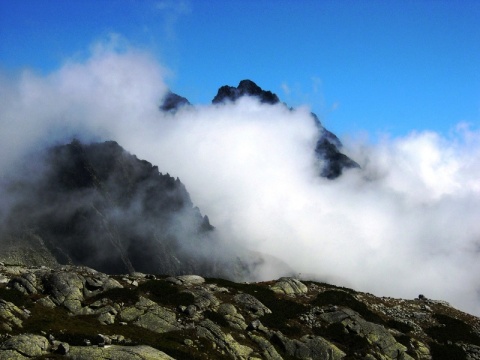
(388, 66)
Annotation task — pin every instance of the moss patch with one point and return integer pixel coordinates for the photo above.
(447, 352)
(14, 296)
(165, 293)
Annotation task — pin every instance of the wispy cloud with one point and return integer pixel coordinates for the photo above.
(172, 11)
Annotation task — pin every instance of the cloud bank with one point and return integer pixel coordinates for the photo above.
(405, 223)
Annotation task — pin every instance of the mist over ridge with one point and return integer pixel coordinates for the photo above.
(403, 223)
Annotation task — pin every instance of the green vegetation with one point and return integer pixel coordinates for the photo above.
(447, 352)
(452, 330)
(216, 318)
(14, 296)
(330, 286)
(165, 293)
(398, 325)
(118, 295)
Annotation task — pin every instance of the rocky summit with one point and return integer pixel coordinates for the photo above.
(75, 312)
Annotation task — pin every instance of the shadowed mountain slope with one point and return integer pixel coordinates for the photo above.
(98, 205)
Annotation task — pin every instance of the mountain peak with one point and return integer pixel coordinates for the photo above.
(172, 102)
(245, 87)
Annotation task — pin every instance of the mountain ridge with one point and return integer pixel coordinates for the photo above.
(328, 146)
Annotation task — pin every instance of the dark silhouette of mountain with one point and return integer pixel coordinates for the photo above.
(172, 102)
(328, 147)
(245, 87)
(98, 205)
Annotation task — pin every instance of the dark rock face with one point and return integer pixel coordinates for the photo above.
(99, 206)
(245, 87)
(335, 161)
(172, 102)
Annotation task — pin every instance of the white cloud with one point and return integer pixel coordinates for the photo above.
(406, 223)
(286, 89)
(172, 11)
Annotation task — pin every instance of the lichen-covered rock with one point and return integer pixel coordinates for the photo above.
(319, 348)
(66, 288)
(116, 352)
(289, 286)
(375, 334)
(27, 345)
(233, 317)
(69, 286)
(106, 319)
(251, 304)
(323, 323)
(204, 299)
(11, 316)
(46, 302)
(26, 283)
(186, 280)
(267, 350)
(308, 347)
(211, 331)
(130, 313)
(149, 315)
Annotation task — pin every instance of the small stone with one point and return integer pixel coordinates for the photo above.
(63, 348)
(106, 318)
(191, 310)
(102, 340)
(188, 342)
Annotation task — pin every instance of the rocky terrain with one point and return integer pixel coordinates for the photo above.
(78, 313)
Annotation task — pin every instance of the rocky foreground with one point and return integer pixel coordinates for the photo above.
(79, 313)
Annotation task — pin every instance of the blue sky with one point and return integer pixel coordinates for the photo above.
(376, 66)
